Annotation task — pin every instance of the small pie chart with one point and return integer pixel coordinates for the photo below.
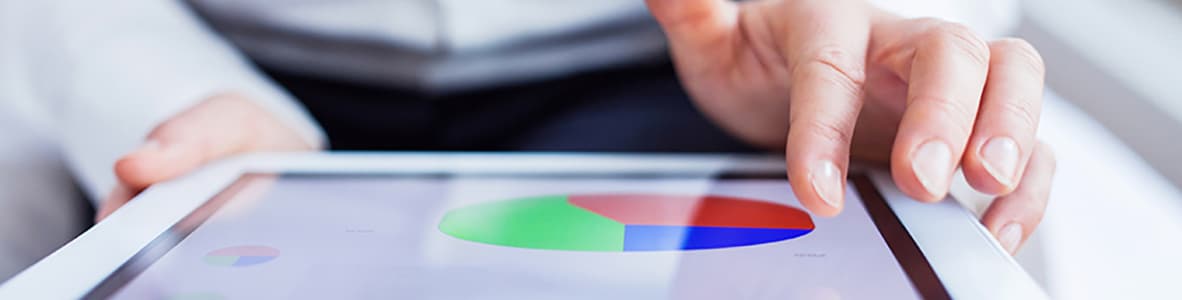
(627, 222)
(241, 256)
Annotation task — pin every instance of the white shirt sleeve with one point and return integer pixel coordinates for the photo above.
(990, 18)
(112, 70)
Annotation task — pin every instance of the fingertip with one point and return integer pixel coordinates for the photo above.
(1010, 232)
(910, 185)
(135, 170)
(828, 184)
(981, 181)
(1011, 236)
(979, 177)
(814, 204)
(1024, 208)
(917, 192)
(824, 211)
(993, 165)
(140, 168)
(817, 206)
(924, 170)
(820, 187)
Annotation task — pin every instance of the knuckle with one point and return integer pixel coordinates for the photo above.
(1021, 50)
(829, 131)
(823, 129)
(927, 22)
(1020, 111)
(834, 64)
(842, 62)
(960, 115)
(960, 38)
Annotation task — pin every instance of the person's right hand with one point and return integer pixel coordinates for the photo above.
(219, 127)
(830, 80)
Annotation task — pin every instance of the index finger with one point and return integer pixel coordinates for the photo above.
(826, 51)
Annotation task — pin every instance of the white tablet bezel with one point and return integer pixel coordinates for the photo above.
(968, 262)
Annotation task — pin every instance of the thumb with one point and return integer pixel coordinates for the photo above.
(695, 24)
(164, 157)
(212, 130)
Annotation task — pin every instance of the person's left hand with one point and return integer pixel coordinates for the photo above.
(926, 96)
(218, 127)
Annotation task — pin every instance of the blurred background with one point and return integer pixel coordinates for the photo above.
(1113, 114)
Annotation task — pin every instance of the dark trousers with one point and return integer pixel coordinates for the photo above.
(634, 109)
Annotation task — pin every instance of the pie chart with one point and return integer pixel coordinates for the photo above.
(241, 256)
(626, 222)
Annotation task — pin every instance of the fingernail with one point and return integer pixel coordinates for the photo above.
(826, 181)
(1010, 236)
(1001, 159)
(931, 164)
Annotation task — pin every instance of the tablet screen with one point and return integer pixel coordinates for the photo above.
(514, 236)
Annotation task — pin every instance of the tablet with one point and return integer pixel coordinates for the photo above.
(521, 226)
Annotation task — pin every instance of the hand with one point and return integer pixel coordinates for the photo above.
(219, 127)
(926, 95)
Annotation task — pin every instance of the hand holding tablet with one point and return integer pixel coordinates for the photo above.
(219, 127)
